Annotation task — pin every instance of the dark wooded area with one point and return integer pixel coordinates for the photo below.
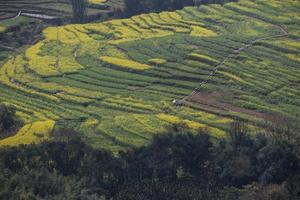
(176, 165)
(133, 7)
(9, 123)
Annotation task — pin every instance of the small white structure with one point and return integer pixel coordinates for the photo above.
(178, 103)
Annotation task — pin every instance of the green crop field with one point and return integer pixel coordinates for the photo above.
(116, 80)
(55, 8)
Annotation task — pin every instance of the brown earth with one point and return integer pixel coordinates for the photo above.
(219, 101)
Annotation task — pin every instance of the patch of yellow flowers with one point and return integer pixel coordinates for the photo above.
(97, 1)
(124, 63)
(2, 28)
(30, 134)
(157, 61)
(203, 58)
(202, 32)
(191, 124)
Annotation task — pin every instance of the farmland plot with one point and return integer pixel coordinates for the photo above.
(117, 79)
(53, 8)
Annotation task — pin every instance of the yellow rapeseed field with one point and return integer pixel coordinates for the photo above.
(2, 28)
(125, 63)
(191, 124)
(97, 1)
(157, 61)
(30, 134)
(202, 32)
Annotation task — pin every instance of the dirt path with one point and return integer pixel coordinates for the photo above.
(18, 15)
(33, 15)
(38, 16)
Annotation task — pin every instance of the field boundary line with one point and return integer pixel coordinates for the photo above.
(234, 54)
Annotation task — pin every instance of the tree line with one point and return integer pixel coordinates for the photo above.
(79, 8)
(9, 123)
(133, 7)
(175, 165)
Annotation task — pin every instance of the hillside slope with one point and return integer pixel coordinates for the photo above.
(116, 80)
(54, 8)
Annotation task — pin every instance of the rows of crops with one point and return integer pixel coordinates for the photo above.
(116, 80)
(56, 8)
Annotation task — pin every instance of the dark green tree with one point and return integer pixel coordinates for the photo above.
(79, 10)
(7, 117)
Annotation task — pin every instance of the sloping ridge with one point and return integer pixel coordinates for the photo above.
(236, 53)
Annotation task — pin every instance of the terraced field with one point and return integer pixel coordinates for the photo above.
(116, 80)
(54, 8)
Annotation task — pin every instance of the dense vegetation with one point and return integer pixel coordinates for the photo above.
(79, 10)
(56, 8)
(117, 79)
(133, 7)
(198, 103)
(176, 165)
(22, 22)
(8, 120)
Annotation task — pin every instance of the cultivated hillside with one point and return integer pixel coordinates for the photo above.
(54, 8)
(116, 80)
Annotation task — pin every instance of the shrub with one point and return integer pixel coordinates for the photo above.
(7, 117)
